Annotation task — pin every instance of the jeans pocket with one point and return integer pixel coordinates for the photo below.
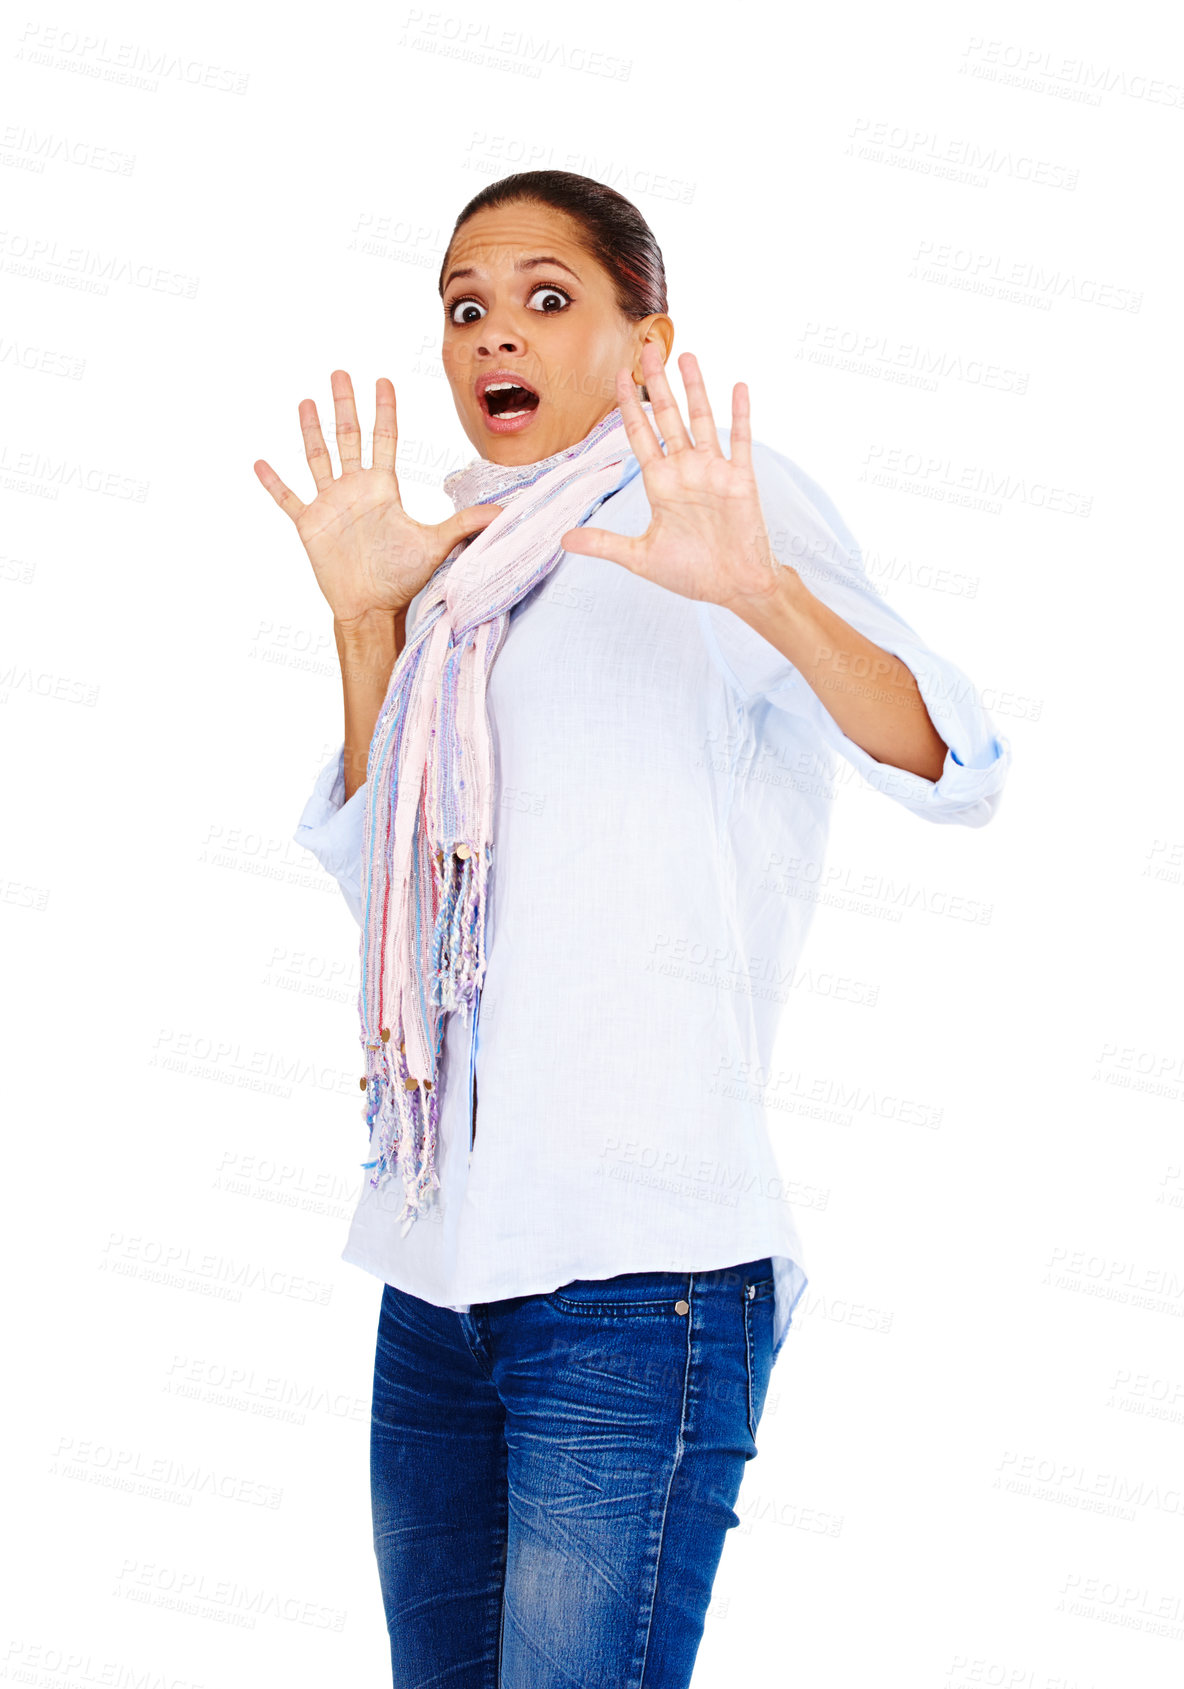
(758, 1346)
(625, 1296)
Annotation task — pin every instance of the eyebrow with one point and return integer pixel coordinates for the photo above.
(522, 264)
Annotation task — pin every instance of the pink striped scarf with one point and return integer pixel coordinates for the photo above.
(428, 842)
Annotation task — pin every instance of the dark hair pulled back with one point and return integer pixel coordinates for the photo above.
(613, 231)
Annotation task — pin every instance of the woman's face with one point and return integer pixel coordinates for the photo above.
(528, 314)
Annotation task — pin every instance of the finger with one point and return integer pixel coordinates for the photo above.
(598, 542)
(283, 496)
(465, 522)
(644, 443)
(315, 449)
(386, 426)
(741, 448)
(666, 411)
(699, 407)
(349, 435)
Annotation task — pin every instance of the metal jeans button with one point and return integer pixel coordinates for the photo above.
(681, 1307)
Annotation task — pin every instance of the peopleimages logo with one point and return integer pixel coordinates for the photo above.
(937, 476)
(970, 162)
(1080, 80)
(475, 41)
(723, 967)
(1017, 281)
(881, 356)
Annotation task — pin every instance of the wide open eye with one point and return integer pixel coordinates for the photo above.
(549, 294)
(459, 309)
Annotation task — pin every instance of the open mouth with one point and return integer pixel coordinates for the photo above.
(505, 399)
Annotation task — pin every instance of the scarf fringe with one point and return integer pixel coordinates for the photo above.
(407, 1114)
(408, 1129)
(458, 938)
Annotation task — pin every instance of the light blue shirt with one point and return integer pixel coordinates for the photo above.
(655, 760)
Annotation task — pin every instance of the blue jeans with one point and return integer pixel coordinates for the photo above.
(553, 1476)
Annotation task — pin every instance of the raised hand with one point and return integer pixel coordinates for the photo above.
(707, 536)
(366, 552)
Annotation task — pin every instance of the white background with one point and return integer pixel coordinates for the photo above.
(971, 1469)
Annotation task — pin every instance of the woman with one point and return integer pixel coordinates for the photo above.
(582, 769)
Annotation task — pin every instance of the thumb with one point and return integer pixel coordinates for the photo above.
(466, 522)
(598, 542)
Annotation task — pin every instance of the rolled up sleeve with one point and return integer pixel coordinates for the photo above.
(331, 828)
(807, 533)
(977, 757)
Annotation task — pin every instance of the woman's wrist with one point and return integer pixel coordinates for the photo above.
(368, 647)
(373, 629)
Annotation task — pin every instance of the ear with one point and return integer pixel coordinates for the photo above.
(658, 330)
(661, 329)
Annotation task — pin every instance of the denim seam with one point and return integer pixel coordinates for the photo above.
(679, 1449)
(612, 1310)
(748, 1301)
(501, 1617)
(761, 1289)
(470, 1324)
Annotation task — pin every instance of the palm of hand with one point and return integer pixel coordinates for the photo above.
(366, 552)
(707, 537)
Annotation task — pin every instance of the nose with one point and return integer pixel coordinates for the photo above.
(500, 333)
(488, 347)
